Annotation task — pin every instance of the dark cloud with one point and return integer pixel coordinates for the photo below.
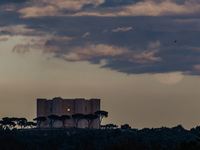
(12, 1)
(87, 6)
(5, 33)
(148, 47)
(115, 3)
(175, 56)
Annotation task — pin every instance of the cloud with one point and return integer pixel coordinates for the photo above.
(104, 8)
(166, 7)
(39, 11)
(20, 30)
(86, 34)
(143, 8)
(21, 48)
(114, 3)
(122, 29)
(102, 52)
(3, 39)
(105, 31)
(56, 8)
(197, 67)
(12, 1)
(10, 8)
(92, 51)
(46, 44)
(153, 45)
(48, 49)
(146, 57)
(148, 47)
(3, 32)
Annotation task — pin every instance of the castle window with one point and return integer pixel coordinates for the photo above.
(85, 108)
(50, 109)
(68, 109)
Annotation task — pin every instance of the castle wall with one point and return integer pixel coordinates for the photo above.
(80, 109)
(59, 106)
(68, 108)
(41, 109)
(95, 106)
(88, 107)
(57, 110)
(49, 111)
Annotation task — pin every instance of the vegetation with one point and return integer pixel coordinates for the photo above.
(7, 123)
(176, 138)
(31, 124)
(90, 118)
(77, 118)
(22, 122)
(39, 120)
(63, 118)
(27, 137)
(53, 119)
(102, 114)
(109, 126)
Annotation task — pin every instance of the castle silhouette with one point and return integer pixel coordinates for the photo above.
(59, 106)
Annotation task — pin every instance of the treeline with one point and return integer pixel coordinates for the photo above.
(10, 123)
(176, 138)
(108, 137)
(76, 117)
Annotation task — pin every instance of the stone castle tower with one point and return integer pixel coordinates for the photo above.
(59, 106)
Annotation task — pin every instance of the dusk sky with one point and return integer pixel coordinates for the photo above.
(140, 57)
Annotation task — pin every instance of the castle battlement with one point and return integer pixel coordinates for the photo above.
(59, 106)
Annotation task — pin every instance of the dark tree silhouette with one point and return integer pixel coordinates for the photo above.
(53, 119)
(22, 122)
(90, 118)
(77, 118)
(14, 121)
(39, 120)
(125, 126)
(102, 114)
(7, 123)
(31, 124)
(109, 126)
(63, 118)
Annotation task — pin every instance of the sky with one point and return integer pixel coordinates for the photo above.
(140, 57)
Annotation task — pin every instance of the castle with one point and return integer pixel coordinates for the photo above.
(59, 106)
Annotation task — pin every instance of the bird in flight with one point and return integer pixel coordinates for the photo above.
(175, 41)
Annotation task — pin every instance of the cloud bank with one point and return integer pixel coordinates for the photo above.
(134, 37)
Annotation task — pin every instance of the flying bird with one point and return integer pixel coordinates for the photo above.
(175, 41)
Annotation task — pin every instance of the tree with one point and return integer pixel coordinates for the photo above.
(15, 119)
(90, 118)
(22, 122)
(30, 123)
(102, 114)
(77, 117)
(7, 123)
(39, 120)
(53, 119)
(110, 126)
(63, 118)
(125, 126)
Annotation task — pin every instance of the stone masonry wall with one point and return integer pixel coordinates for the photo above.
(59, 106)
